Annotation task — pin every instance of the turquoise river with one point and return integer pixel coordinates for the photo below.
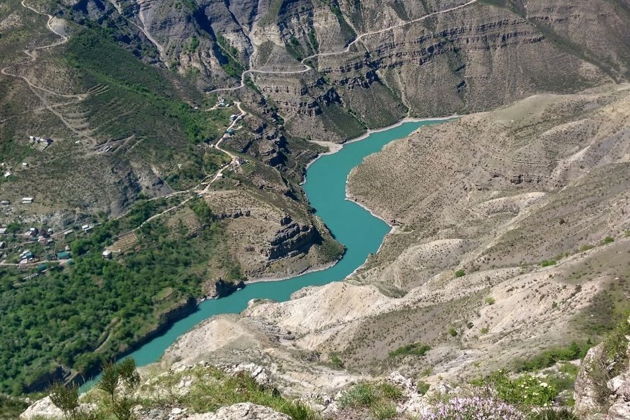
(361, 233)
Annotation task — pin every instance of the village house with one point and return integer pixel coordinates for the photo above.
(27, 200)
(26, 255)
(63, 255)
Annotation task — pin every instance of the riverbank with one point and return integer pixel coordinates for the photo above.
(357, 228)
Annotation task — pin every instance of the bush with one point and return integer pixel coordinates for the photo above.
(422, 387)
(608, 240)
(336, 361)
(361, 395)
(490, 300)
(383, 410)
(415, 349)
(551, 357)
(452, 332)
(377, 397)
(460, 273)
(547, 263)
(525, 390)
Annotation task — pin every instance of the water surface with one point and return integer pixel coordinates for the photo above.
(351, 225)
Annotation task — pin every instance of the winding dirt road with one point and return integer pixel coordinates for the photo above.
(308, 68)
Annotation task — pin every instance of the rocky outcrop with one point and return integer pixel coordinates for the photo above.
(242, 411)
(619, 387)
(223, 288)
(45, 409)
(596, 396)
(589, 400)
(292, 239)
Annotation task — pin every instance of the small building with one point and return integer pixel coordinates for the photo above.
(5, 202)
(107, 254)
(68, 232)
(3, 244)
(27, 255)
(63, 255)
(3, 231)
(42, 267)
(87, 228)
(27, 200)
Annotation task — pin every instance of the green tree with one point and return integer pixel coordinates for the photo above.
(66, 398)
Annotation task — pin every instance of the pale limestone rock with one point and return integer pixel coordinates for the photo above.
(586, 403)
(242, 411)
(620, 386)
(43, 408)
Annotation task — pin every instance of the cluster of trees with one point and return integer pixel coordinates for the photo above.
(64, 315)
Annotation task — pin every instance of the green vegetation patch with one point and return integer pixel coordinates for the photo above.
(135, 99)
(550, 357)
(72, 316)
(414, 349)
(524, 390)
(213, 388)
(379, 398)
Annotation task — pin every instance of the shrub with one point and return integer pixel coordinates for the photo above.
(547, 263)
(460, 273)
(474, 408)
(66, 398)
(360, 395)
(484, 330)
(452, 332)
(490, 300)
(336, 361)
(608, 240)
(423, 387)
(383, 410)
(415, 349)
(552, 356)
(377, 397)
(525, 390)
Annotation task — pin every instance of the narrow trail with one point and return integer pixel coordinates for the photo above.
(308, 68)
(197, 190)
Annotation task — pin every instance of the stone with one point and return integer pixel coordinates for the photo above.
(241, 411)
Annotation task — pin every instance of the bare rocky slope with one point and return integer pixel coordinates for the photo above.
(510, 239)
(510, 225)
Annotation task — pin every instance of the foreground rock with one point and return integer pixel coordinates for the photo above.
(243, 411)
